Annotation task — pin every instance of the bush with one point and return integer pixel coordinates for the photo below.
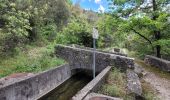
(112, 90)
(76, 32)
(34, 60)
(49, 32)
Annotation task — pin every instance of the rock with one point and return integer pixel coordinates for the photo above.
(133, 85)
(139, 70)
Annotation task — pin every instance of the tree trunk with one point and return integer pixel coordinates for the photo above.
(156, 33)
(158, 51)
(158, 47)
(32, 32)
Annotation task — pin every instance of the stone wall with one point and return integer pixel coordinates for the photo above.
(116, 53)
(79, 58)
(33, 87)
(157, 62)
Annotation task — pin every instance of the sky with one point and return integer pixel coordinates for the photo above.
(95, 5)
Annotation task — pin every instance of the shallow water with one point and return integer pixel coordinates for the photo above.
(69, 88)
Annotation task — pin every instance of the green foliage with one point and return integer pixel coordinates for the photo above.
(49, 32)
(150, 27)
(28, 21)
(108, 28)
(112, 90)
(146, 27)
(76, 32)
(36, 60)
(42, 22)
(17, 21)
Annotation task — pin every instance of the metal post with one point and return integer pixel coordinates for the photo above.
(94, 57)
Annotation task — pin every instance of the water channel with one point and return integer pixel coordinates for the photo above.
(69, 88)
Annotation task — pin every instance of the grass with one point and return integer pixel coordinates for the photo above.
(32, 60)
(115, 85)
(153, 69)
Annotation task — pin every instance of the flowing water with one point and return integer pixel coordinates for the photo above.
(69, 88)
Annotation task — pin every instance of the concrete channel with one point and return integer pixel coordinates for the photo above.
(55, 84)
(93, 85)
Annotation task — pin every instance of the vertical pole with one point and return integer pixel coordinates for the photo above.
(94, 57)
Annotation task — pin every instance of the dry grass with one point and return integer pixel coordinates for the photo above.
(148, 92)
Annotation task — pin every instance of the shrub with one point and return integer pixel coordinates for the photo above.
(34, 60)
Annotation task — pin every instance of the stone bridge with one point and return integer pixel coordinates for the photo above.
(37, 85)
(81, 58)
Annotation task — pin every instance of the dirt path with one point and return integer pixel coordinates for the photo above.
(161, 85)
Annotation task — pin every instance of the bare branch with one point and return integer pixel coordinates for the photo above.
(150, 42)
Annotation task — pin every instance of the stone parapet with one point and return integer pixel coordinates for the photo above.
(79, 58)
(157, 62)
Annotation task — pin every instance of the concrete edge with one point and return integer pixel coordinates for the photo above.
(93, 85)
(153, 57)
(48, 91)
(28, 77)
(36, 86)
(88, 48)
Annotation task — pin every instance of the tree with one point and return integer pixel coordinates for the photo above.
(146, 19)
(27, 21)
(77, 31)
(15, 24)
(108, 28)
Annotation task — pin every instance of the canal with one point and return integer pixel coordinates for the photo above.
(69, 88)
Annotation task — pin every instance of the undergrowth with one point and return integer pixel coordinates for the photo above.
(32, 60)
(115, 85)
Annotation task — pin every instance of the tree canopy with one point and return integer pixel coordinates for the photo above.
(130, 24)
(148, 20)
